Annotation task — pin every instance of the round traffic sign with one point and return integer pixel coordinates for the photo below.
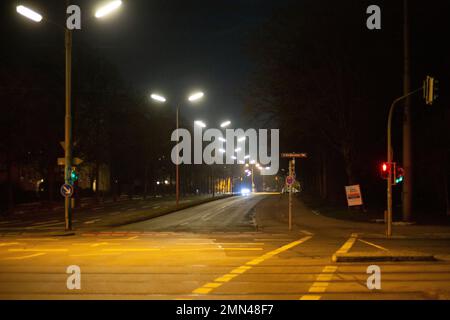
(66, 190)
(290, 180)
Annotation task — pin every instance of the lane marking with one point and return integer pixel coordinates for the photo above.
(310, 297)
(95, 254)
(373, 245)
(307, 232)
(6, 244)
(227, 249)
(324, 278)
(321, 283)
(92, 221)
(25, 257)
(38, 250)
(347, 245)
(210, 286)
(132, 250)
(45, 222)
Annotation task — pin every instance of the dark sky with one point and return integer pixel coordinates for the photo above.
(174, 47)
(169, 46)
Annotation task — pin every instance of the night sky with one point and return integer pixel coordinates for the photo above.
(170, 47)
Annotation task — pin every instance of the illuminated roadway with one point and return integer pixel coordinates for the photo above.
(234, 248)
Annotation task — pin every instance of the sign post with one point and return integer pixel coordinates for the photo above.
(290, 180)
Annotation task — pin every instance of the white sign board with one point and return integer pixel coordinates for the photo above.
(354, 197)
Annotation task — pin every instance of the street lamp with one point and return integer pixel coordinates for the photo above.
(200, 124)
(28, 13)
(32, 15)
(225, 124)
(192, 98)
(108, 8)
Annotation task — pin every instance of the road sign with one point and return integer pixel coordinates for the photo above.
(294, 155)
(290, 181)
(66, 190)
(354, 197)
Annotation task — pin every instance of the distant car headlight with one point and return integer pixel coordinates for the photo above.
(245, 191)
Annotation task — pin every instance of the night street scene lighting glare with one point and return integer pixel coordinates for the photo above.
(245, 191)
(196, 96)
(108, 8)
(225, 124)
(200, 124)
(28, 13)
(158, 97)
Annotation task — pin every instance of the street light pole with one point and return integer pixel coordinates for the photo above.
(177, 168)
(68, 128)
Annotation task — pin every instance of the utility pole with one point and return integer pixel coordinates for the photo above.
(407, 152)
(68, 129)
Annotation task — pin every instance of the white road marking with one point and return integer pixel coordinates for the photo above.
(25, 257)
(92, 221)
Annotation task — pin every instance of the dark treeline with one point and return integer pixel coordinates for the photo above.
(115, 126)
(327, 82)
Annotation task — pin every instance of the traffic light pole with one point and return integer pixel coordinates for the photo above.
(177, 169)
(389, 161)
(68, 128)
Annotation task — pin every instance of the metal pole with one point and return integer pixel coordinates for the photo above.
(68, 128)
(407, 147)
(253, 180)
(177, 166)
(389, 161)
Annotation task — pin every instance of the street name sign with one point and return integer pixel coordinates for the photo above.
(294, 155)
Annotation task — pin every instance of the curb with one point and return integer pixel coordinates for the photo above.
(382, 256)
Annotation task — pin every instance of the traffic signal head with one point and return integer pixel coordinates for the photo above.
(385, 169)
(74, 175)
(430, 89)
(399, 175)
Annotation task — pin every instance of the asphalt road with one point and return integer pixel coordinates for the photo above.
(235, 248)
(93, 216)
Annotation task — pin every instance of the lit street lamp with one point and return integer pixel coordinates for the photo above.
(32, 15)
(192, 98)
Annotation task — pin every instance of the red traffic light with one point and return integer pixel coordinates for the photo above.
(385, 169)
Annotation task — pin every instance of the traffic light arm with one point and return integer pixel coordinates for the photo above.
(389, 159)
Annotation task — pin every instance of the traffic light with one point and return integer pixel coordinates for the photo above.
(74, 175)
(430, 89)
(399, 175)
(385, 169)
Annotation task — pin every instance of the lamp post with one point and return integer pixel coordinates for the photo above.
(161, 99)
(36, 17)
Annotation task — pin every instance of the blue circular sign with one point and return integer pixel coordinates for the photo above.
(66, 190)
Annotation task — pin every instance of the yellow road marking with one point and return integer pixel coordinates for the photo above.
(227, 249)
(346, 247)
(310, 297)
(373, 245)
(38, 239)
(321, 283)
(38, 250)
(131, 250)
(207, 288)
(323, 279)
(25, 257)
(5, 244)
(95, 254)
